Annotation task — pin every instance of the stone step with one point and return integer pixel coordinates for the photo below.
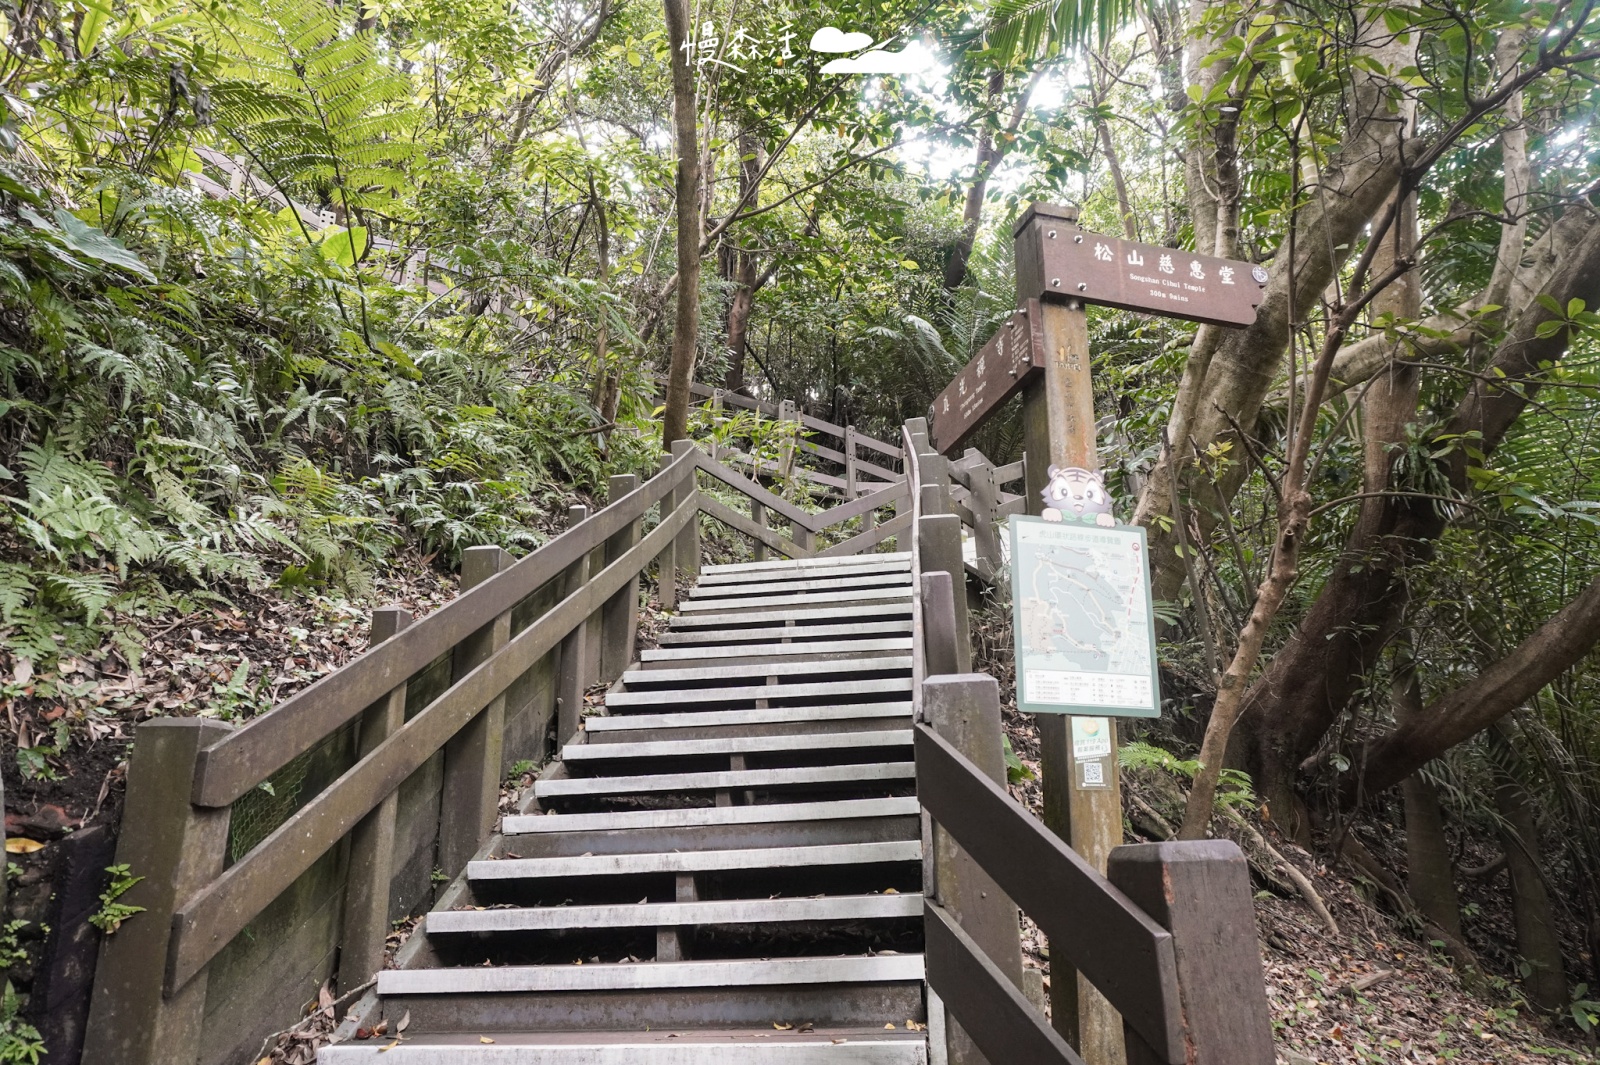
(608, 728)
(634, 976)
(588, 754)
(801, 599)
(859, 775)
(790, 564)
(638, 678)
(668, 657)
(818, 1046)
(766, 813)
(747, 632)
(713, 861)
(820, 691)
(701, 914)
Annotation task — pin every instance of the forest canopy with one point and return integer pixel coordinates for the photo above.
(289, 285)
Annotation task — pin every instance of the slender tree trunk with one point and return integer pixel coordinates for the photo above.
(686, 329)
(1538, 942)
(955, 269)
(743, 267)
(607, 381)
(1430, 873)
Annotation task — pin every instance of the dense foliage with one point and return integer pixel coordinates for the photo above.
(290, 285)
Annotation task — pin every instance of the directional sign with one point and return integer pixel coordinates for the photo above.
(1057, 260)
(994, 375)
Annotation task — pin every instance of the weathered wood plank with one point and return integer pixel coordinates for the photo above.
(993, 1011)
(1200, 890)
(747, 693)
(1091, 924)
(212, 917)
(751, 528)
(874, 772)
(241, 760)
(870, 538)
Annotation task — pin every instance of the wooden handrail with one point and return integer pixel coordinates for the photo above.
(206, 923)
(775, 503)
(1090, 924)
(1002, 1023)
(240, 761)
(862, 505)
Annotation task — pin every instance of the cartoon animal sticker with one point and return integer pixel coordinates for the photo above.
(1077, 494)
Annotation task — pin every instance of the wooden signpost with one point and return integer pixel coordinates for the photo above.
(1060, 268)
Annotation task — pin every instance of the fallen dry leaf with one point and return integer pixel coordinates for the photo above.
(484, 1039)
(19, 845)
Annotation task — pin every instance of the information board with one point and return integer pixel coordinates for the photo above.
(1085, 627)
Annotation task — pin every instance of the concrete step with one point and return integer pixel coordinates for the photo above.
(765, 972)
(673, 862)
(818, 1046)
(636, 679)
(801, 599)
(862, 775)
(747, 632)
(589, 754)
(670, 657)
(789, 565)
(515, 825)
(701, 914)
(608, 728)
(821, 691)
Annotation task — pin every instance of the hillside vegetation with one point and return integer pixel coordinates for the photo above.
(300, 299)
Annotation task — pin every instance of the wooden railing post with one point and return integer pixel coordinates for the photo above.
(686, 551)
(371, 870)
(573, 677)
(965, 711)
(1200, 892)
(667, 561)
(850, 488)
(176, 848)
(471, 793)
(939, 550)
(758, 514)
(984, 504)
(619, 618)
(787, 415)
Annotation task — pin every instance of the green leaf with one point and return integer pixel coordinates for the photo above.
(909, 264)
(343, 246)
(94, 24)
(1547, 330)
(92, 241)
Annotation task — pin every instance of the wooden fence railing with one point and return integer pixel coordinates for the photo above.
(832, 461)
(1168, 935)
(187, 774)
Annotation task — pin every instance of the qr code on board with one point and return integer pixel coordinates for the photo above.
(1094, 773)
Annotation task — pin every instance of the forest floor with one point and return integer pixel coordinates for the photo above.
(1373, 993)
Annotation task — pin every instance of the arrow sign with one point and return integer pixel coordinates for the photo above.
(995, 374)
(1058, 261)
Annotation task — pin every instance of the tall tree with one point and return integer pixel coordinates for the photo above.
(686, 328)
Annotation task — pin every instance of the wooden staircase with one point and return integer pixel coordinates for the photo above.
(725, 867)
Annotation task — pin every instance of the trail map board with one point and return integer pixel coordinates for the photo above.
(1085, 629)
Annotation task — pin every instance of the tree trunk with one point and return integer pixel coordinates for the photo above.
(955, 268)
(743, 266)
(1313, 676)
(1538, 942)
(686, 329)
(1430, 873)
(607, 381)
